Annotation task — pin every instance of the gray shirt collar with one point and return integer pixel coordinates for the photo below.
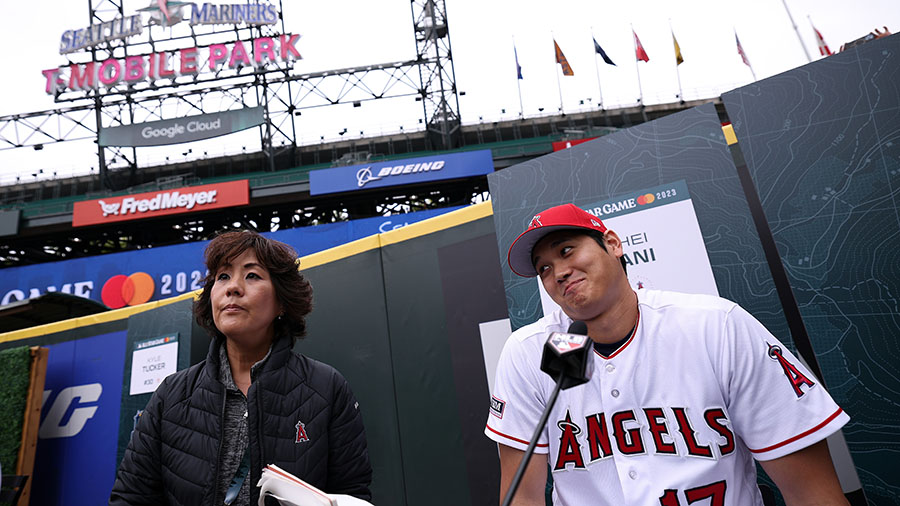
(225, 368)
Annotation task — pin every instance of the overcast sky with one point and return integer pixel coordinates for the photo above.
(346, 33)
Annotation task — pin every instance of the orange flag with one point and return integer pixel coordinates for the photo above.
(561, 59)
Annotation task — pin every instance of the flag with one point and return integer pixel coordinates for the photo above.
(678, 58)
(561, 59)
(823, 47)
(741, 51)
(518, 67)
(639, 52)
(599, 50)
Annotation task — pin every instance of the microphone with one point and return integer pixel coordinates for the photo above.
(568, 356)
(567, 359)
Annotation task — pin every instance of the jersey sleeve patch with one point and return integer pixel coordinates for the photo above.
(793, 375)
(497, 407)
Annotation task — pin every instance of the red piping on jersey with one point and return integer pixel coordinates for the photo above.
(517, 440)
(633, 333)
(800, 436)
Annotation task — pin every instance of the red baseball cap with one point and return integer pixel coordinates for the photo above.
(564, 217)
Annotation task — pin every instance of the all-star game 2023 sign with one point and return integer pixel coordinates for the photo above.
(171, 63)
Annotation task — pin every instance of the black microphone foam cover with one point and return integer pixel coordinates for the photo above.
(568, 355)
(578, 327)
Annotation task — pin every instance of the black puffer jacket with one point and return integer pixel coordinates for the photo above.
(173, 454)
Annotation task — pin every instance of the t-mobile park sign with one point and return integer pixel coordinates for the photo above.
(162, 203)
(170, 64)
(175, 131)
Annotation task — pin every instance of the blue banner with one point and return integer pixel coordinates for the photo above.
(159, 273)
(75, 462)
(400, 172)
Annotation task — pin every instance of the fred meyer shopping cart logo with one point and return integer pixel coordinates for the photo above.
(145, 205)
(400, 172)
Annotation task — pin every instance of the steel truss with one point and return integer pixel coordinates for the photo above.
(430, 78)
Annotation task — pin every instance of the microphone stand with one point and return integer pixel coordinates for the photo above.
(517, 479)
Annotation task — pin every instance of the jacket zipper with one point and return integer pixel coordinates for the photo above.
(216, 501)
(259, 439)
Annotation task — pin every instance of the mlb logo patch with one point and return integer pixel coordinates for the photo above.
(497, 407)
(566, 342)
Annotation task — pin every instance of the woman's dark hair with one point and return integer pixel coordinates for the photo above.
(291, 288)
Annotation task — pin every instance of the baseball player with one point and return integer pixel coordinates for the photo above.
(686, 391)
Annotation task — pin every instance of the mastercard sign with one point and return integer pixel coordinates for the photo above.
(120, 290)
(162, 203)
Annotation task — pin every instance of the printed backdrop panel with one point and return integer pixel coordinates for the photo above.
(709, 230)
(821, 144)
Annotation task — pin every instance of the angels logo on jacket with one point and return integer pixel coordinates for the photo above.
(301, 433)
(793, 374)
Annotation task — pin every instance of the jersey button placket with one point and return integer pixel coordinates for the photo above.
(611, 368)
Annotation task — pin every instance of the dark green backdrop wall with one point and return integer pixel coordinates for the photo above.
(822, 144)
(401, 323)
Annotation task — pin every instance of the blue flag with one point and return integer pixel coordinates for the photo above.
(599, 50)
(518, 67)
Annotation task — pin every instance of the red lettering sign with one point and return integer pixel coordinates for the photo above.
(161, 203)
(561, 145)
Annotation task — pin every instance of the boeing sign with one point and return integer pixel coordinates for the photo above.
(401, 172)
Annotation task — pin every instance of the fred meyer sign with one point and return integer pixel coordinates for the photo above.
(401, 172)
(174, 131)
(161, 203)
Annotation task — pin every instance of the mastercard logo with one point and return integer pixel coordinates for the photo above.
(646, 199)
(121, 290)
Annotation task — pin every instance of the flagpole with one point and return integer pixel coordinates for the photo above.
(557, 65)
(636, 67)
(797, 31)
(518, 81)
(677, 72)
(597, 69)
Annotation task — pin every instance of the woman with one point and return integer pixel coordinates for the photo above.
(208, 431)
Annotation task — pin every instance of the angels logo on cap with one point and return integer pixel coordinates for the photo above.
(566, 216)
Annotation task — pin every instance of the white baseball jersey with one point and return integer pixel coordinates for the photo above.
(674, 416)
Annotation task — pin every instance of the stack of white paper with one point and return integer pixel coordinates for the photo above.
(292, 491)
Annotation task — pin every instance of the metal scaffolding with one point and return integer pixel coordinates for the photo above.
(282, 92)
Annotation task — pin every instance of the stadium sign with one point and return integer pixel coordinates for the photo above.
(119, 28)
(167, 13)
(162, 203)
(176, 131)
(170, 64)
(234, 14)
(401, 172)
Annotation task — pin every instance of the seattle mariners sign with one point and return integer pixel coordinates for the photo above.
(400, 172)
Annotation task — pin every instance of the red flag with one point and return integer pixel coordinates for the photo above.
(823, 47)
(561, 59)
(639, 52)
(741, 51)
